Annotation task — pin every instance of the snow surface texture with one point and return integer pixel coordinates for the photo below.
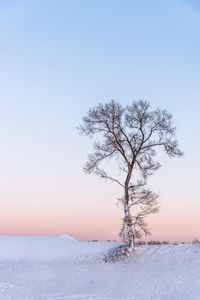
(61, 268)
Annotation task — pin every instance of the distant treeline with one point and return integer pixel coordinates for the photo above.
(152, 242)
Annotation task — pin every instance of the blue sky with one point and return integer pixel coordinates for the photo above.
(58, 59)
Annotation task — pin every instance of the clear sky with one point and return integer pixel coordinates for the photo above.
(58, 59)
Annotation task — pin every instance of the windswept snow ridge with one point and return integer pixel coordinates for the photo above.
(61, 268)
(66, 237)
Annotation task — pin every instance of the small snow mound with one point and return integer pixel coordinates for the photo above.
(4, 287)
(67, 237)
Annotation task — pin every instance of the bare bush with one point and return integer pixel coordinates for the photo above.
(119, 254)
(196, 241)
(140, 243)
(165, 242)
(154, 243)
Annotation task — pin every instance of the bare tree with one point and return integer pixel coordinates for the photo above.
(130, 135)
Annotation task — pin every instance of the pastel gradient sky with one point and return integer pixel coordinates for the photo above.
(58, 59)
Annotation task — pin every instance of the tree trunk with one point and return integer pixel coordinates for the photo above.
(127, 226)
(127, 230)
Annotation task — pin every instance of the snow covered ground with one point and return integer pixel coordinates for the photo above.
(61, 268)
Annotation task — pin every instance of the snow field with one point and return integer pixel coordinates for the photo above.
(61, 268)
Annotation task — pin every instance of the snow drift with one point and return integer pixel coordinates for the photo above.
(15, 247)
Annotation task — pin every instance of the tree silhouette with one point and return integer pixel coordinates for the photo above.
(130, 135)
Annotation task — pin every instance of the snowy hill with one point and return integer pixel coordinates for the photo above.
(61, 268)
(32, 247)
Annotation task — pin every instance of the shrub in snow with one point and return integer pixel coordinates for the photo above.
(118, 254)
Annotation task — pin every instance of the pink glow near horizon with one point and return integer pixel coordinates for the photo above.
(97, 227)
